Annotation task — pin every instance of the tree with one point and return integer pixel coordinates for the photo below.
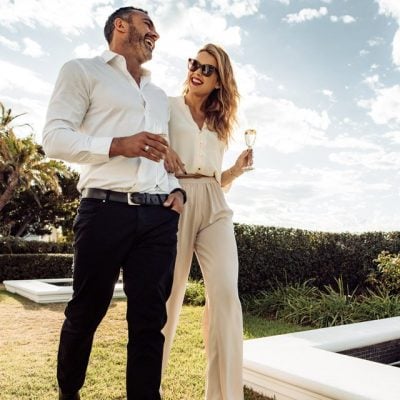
(35, 193)
(27, 213)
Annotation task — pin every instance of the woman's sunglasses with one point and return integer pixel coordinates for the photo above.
(206, 69)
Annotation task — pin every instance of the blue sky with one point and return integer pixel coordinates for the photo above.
(319, 80)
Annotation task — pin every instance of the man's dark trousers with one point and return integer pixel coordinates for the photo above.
(142, 241)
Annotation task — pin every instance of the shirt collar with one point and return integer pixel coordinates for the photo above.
(109, 55)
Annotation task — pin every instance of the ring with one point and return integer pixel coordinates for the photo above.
(146, 148)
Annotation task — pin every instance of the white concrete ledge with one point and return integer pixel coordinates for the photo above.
(304, 365)
(45, 291)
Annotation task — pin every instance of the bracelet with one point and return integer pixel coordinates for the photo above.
(183, 193)
(230, 171)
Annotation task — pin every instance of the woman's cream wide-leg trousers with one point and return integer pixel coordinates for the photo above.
(206, 228)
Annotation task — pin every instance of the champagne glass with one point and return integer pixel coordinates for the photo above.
(249, 137)
(158, 128)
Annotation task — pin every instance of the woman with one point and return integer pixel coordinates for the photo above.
(200, 127)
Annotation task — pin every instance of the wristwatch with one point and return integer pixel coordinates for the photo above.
(183, 193)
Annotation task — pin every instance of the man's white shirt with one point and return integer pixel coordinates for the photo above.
(95, 100)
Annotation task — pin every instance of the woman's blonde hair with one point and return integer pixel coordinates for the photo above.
(221, 105)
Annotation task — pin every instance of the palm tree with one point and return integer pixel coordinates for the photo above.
(22, 162)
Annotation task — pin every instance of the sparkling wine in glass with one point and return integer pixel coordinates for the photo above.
(158, 128)
(249, 137)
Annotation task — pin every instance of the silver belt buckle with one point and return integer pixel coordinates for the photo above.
(130, 202)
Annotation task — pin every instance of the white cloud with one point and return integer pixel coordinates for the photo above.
(15, 77)
(376, 41)
(328, 93)
(71, 17)
(285, 2)
(396, 48)
(392, 8)
(377, 160)
(85, 51)
(346, 19)
(248, 78)
(372, 81)
(306, 14)
(32, 48)
(188, 32)
(11, 44)
(394, 136)
(345, 141)
(286, 127)
(238, 8)
(389, 8)
(385, 107)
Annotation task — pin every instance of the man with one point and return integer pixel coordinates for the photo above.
(99, 116)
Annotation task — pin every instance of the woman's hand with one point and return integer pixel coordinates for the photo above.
(245, 159)
(173, 163)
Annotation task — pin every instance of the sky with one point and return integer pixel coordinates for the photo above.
(319, 81)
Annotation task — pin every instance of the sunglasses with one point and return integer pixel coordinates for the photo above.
(206, 69)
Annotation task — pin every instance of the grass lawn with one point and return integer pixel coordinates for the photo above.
(29, 335)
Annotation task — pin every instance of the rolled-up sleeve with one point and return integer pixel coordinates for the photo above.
(67, 109)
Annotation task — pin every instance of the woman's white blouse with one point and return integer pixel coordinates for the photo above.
(200, 149)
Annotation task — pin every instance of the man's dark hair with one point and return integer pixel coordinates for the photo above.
(124, 13)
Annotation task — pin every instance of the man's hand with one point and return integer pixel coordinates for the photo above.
(173, 163)
(175, 202)
(143, 144)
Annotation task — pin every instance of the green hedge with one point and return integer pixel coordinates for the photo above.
(11, 245)
(267, 255)
(35, 266)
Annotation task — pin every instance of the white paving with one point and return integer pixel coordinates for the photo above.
(45, 290)
(304, 365)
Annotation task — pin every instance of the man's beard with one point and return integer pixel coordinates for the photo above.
(137, 40)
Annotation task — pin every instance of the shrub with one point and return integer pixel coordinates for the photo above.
(305, 304)
(387, 276)
(35, 266)
(377, 304)
(13, 245)
(195, 293)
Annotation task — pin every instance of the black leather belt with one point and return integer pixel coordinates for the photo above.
(134, 199)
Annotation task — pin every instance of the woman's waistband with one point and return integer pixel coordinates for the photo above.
(194, 176)
(197, 179)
